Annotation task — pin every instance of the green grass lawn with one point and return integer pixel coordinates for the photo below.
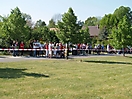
(91, 78)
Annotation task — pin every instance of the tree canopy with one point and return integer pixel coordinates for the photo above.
(121, 35)
(115, 28)
(51, 24)
(13, 27)
(70, 29)
(110, 23)
(92, 21)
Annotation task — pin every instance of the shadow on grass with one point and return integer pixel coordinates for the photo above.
(12, 73)
(107, 62)
(128, 56)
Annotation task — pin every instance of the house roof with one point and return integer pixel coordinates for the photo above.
(93, 30)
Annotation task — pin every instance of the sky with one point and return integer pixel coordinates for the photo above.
(47, 9)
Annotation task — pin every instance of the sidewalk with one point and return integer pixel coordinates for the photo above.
(71, 56)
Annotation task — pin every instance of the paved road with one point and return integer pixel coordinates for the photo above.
(15, 59)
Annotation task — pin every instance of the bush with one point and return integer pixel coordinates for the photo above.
(5, 53)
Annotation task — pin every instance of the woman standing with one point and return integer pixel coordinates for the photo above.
(22, 47)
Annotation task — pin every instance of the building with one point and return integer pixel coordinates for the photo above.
(93, 30)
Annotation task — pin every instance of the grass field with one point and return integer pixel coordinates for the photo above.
(89, 78)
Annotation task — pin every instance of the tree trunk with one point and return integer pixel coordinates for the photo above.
(66, 51)
(123, 51)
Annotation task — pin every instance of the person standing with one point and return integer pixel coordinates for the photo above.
(50, 50)
(16, 49)
(34, 48)
(38, 46)
(108, 48)
(13, 47)
(46, 49)
(22, 47)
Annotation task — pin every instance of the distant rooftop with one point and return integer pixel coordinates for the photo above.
(93, 30)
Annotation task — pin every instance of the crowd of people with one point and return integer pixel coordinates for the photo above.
(37, 49)
(15, 46)
(52, 49)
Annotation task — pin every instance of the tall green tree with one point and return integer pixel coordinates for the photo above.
(28, 20)
(40, 23)
(122, 11)
(121, 35)
(29, 24)
(106, 24)
(41, 31)
(92, 21)
(69, 29)
(0, 34)
(0, 29)
(85, 36)
(45, 34)
(51, 24)
(13, 26)
(53, 36)
(112, 20)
